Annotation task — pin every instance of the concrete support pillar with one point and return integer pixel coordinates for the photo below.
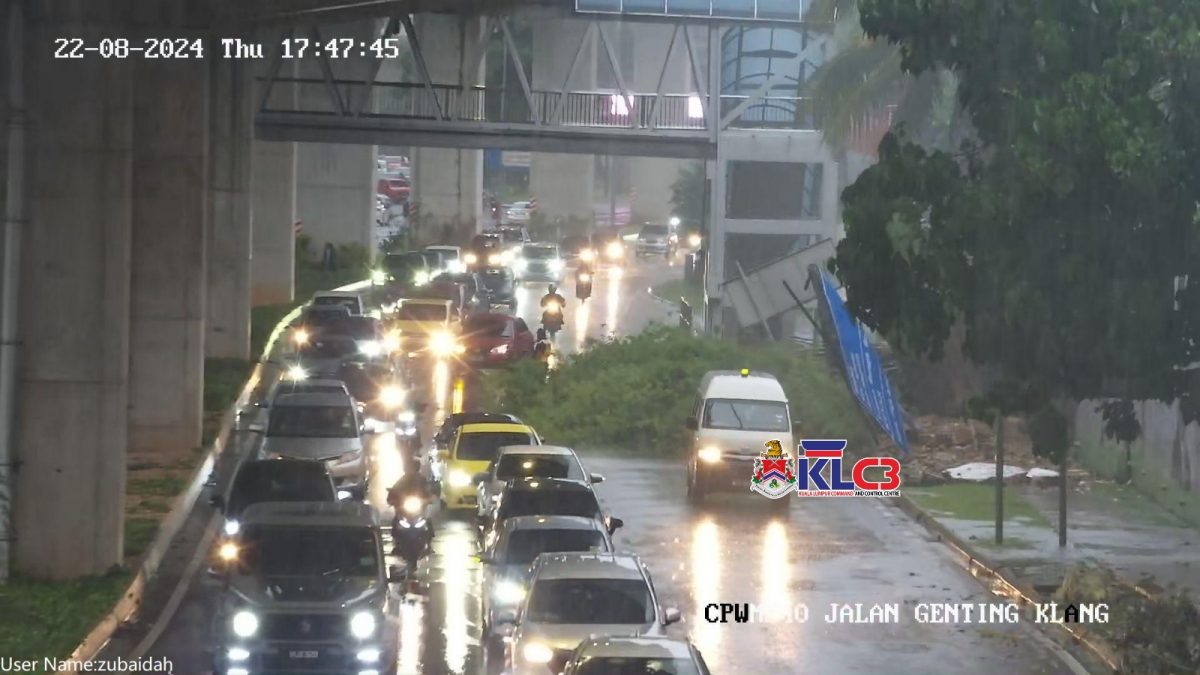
(653, 176)
(168, 278)
(230, 222)
(448, 183)
(72, 415)
(272, 276)
(563, 184)
(335, 184)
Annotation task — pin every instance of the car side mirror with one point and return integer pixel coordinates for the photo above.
(615, 524)
(671, 615)
(480, 477)
(217, 502)
(692, 423)
(596, 478)
(343, 495)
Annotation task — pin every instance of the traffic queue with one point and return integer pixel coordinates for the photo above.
(303, 561)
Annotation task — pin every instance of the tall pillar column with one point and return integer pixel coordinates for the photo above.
(448, 183)
(230, 223)
(563, 184)
(272, 276)
(335, 183)
(72, 415)
(652, 177)
(168, 277)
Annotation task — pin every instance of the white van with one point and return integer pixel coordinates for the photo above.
(734, 415)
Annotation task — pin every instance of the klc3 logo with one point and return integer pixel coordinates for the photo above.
(816, 455)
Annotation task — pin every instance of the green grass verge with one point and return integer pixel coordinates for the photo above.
(159, 486)
(311, 279)
(223, 381)
(636, 393)
(693, 292)
(46, 618)
(973, 501)
(1134, 503)
(139, 534)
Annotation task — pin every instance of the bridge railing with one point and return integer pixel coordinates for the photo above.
(596, 109)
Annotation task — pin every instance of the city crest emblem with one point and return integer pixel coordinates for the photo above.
(774, 472)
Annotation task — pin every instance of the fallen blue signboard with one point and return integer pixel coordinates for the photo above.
(864, 371)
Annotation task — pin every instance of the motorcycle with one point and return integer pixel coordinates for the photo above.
(412, 535)
(552, 318)
(583, 284)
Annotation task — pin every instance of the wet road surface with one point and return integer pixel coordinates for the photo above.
(736, 550)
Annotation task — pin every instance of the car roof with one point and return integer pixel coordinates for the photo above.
(494, 428)
(312, 398)
(315, 514)
(337, 294)
(425, 301)
(539, 484)
(441, 247)
(636, 647)
(308, 384)
(589, 565)
(552, 523)
(283, 463)
(556, 450)
(476, 416)
(755, 385)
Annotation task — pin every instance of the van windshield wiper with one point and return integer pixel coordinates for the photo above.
(733, 409)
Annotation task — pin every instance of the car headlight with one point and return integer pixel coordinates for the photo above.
(694, 240)
(244, 623)
(391, 341)
(470, 258)
(406, 417)
(391, 396)
(379, 276)
(370, 347)
(556, 265)
(536, 652)
(709, 454)
(443, 343)
(584, 278)
(614, 249)
(500, 350)
(413, 505)
(553, 307)
(459, 479)
(674, 221)
(232, 527)
(297, 374)
(300, 336)
(421, 278)
(237, 654)
(362, 625)
(509, 592)
(587, 255)
(368, 655)
(495, 259)
(228, 552)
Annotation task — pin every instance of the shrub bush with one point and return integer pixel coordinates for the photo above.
(635, 393)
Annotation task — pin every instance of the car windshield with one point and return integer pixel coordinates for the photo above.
(325, 316)
(539, 252)
(276, 481)
(511, 236)
(488, 326)
(483, 446)
(446, 254)
(279, 551)
(590, 601)
(313, 421)
(574, 243)
(334, 301)
(401, 266)
(485, 242)
(329, 348)
(543, 466)
(629, 665)
(421, 312)
(746, 415)
(525, 545)
(548, 503)
(654, 231)
(357, 327)
(497, 281)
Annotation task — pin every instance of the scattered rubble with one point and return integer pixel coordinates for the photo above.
(944, 447)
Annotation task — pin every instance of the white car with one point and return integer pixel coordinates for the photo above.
(615, 654)
(348, 299)
(451, 259)
(527, 461)
(573, 596)
(517, 213)
(520, 542)
(322, 427)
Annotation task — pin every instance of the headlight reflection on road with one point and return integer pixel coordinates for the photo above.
(582, 311)
(441, 384)
(776, 596)
(412, 618)
(387, 466)
(706, 586)
(457, 582)
(613, 302)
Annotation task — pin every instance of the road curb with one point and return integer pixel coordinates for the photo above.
(1002, 582)
(181, 508)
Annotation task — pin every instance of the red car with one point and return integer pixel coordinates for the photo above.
(496, 339)
(395, 189)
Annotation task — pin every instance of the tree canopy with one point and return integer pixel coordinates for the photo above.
(1064, 231)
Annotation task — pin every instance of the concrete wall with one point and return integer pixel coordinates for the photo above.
(273, 203)
(1166, 459)
(448, 183)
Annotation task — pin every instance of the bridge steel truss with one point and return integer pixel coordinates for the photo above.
(426, 113)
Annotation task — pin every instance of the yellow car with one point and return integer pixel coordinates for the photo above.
(425, 325)
(473, 449)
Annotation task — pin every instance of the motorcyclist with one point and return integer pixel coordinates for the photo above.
(553, 296)
(411, 484)
(542, 348)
